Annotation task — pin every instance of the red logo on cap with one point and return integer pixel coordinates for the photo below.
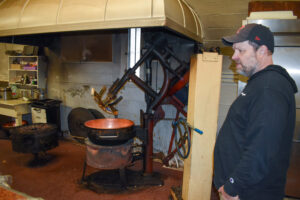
(257, 38)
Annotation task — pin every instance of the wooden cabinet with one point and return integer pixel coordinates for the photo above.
(29, 71)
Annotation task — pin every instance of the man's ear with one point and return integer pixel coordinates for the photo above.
(262, 50)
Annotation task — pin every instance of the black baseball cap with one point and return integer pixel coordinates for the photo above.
(256, 33)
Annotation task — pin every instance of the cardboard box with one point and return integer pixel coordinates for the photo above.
(15, 66)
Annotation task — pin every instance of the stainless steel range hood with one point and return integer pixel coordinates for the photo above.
(25, 17)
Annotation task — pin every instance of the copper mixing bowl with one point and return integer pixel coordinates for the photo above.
(110, 131)
(108, 123)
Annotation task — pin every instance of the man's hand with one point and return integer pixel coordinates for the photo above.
(226, 196)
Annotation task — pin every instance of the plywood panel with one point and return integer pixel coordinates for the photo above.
(203, 105)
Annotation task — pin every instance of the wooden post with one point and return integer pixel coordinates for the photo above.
(203, 106)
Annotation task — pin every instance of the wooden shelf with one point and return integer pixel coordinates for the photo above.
(23, 56)
(23, 70)
(37, 70)
(23, 84)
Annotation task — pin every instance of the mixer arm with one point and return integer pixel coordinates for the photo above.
(108, 103)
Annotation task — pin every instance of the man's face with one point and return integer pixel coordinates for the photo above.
(245, 58)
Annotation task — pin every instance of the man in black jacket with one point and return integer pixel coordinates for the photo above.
(253, 147)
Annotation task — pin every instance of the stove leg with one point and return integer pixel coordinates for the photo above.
(148, 160)
(83, 173)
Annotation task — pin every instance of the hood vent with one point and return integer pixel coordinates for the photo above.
(24, 17)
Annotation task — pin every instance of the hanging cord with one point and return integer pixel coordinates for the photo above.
(184, 141)
(186, 123)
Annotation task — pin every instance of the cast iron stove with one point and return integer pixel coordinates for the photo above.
(109, 148)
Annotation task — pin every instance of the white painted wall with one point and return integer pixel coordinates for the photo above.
(71, 82)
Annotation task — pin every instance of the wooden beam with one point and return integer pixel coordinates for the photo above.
(203, 106)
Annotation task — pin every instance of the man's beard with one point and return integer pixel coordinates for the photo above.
(248, 73)
(242, 72)
(249, 67)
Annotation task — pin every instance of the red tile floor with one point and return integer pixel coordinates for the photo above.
(58, 179)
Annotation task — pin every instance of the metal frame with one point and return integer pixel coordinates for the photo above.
(174, 80)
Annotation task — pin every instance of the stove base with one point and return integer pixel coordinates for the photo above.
(40, 159)
(120, 180)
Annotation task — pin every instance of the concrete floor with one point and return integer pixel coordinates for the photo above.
(58, 179)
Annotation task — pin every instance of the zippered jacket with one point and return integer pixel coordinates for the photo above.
(252, 149)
